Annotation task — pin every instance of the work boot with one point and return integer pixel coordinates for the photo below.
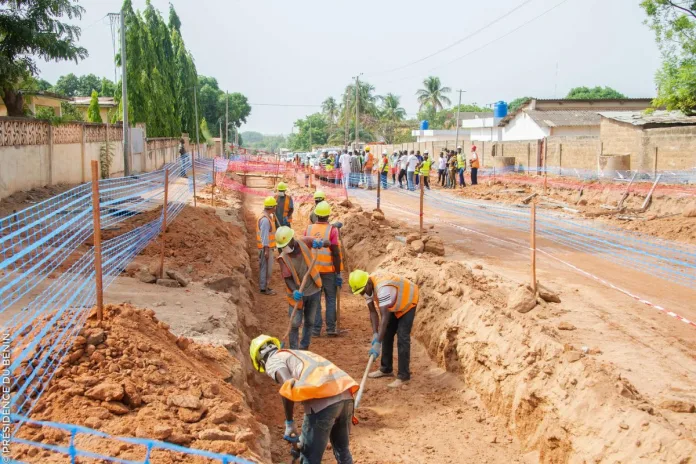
(379, 374)
(397, 383)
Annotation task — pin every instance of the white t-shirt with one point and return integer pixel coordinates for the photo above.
(385, 295)
(473, 156)
(344, 161)
(412, 162)
(442, 163)
(402, 162)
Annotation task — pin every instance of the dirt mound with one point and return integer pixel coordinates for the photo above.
(561, 402)
(130, 376)
(21, 200)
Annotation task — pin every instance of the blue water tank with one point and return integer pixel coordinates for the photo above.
(500, 110)
(424, 125)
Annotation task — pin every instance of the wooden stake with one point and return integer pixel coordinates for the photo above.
(655, 166)
(193, 173)
(97, 240)
(546, 168)
(532, 242)
(164, 221)
(421, 205)
(212, 187)
(379, 184)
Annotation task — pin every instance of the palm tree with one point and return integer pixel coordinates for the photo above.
(433, 94)
(391, 111)
(330, 109)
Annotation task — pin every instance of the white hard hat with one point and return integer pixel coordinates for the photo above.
(426, 152)
(459, 147)
(384, 152)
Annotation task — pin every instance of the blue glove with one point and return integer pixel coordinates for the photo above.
(375, 350)
(291, 435)
(297, 295)
(375, 336)
(339, 280)
(317, 243)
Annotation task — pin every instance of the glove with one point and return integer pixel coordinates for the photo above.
(297, 295)
(376, 349)
(317, 243)
(375, 336)
(339, 280)
(291, 435)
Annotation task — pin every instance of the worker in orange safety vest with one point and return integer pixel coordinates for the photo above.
(265, 242)
(396, 298)
(325, 391)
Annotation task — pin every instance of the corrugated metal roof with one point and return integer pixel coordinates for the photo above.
(564, 118)
(639, 118)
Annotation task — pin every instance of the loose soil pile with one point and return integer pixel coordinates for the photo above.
(130, 376)
(671, 215)
(21, 200)
(557, 398)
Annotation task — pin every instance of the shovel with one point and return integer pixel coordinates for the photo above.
(362, 387)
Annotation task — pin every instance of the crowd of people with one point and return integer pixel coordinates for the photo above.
(356, 168)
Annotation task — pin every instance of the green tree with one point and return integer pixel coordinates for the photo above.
(31, 29)
(674, 24)
(330, 109)
(517, 103)
(43, 85)
(70, 112)
(391, 114)
(108, 88)
(594, 93)
(67, 85)
(93, 110)
(316, 123)
(433, 94)
(88, 83)
(205, 134)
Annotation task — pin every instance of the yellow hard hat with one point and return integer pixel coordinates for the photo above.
(367, 148)
(270, 202)
(319, 195)
(283, 236)
(282, 187)
(323, 209)
(357, 281)
(256, 347)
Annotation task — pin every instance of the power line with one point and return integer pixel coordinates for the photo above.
(284, 105)
(455, 43)
(484, 45)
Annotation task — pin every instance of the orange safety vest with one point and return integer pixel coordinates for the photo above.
(271, 233)
(286, 206)
(313, 272)
(322, 230)
(406, 292)
(319, 379)
(369, 162)
(475, 163)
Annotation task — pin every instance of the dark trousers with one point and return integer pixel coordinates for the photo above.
(441, 176)
(305, 318)
(474, 176)
(401, 327)
(462, 183)
(426, 182)
(331, 424)
(402, 176)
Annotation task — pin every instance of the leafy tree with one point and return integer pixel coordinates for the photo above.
(108, 88)
(433, 94)
(67, 85)
(87, 84)
(316, 123)
(45, 112)
(253, 137)
(93, 110)
(674, 24)
(330, 109)
(259, 141)
(594, 93)
(31, 29)
(70, 112)
(446, 118)
(517, 103)
(205, 134)
(43, 85)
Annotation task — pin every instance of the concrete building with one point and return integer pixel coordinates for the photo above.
(538, 119)
(106, 105)
(434, 135)
(36, 100)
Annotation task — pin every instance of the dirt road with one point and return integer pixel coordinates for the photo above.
(434, 419)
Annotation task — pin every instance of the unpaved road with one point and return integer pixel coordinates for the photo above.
(434, 419)
(654, 351)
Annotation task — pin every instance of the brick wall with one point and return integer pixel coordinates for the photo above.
(573, 152)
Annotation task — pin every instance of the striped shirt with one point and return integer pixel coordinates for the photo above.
(385, 295)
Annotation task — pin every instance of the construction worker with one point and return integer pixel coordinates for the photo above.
(384, 169)
(461, 166)
(319, 196)
(295, 261)
(397, 298)
(367, 167)
(424, 169)
(325, 391)
(285, 206)
(265, 242)
(330, 265)
(475, 164)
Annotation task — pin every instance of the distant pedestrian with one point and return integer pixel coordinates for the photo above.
(394, 166)
(355, 169)
(424, 169)
(344, 161)
(402, 168)
(411, 163)
(441, 169)
(461, 166)
(182, 158)
(474, 161)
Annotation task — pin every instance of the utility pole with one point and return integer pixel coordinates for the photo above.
(195, 104)
(456, 140)
(357, 112)
(310, 134)
(222, 142)
(124, 100)
(345, 117)
(227, 116)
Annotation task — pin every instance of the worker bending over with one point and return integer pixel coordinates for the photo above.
(295, 261)
(330, 265)
(325, 391)
(319, 196)
(397, 298)
(265, 242)
(285, 206)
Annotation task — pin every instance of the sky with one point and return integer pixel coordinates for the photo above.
(300, 52)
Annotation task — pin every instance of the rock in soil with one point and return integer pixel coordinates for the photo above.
(412, 238)
(690, 210)
(522, 299)
(436, 246)
(678, 406)
(566, 326)
(179, 277)
(144, 276)
(418, 246)
(184, 401)
(216, 434)
(547, 295)
(170, 283)
(105, 391)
